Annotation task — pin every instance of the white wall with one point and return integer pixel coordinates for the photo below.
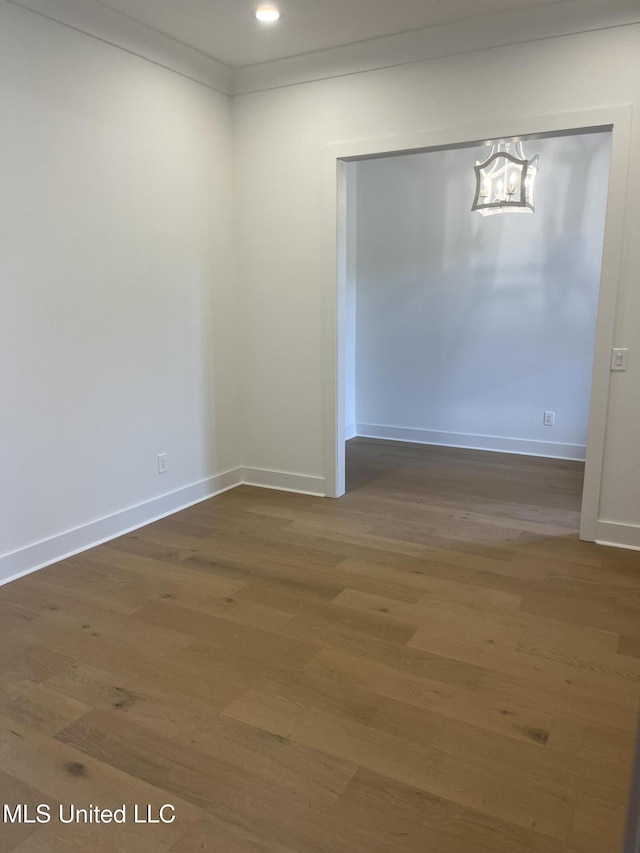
(469, 328)
(118, 311)
(287, 262)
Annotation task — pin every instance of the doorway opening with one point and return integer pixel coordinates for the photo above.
(465, 331)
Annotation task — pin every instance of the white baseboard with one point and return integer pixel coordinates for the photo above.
(63, 545)
(501, 444)
(284, 482)
(350, 431)
(59, 547)
(618, 535)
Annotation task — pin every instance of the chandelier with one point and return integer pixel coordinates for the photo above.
(505, 181)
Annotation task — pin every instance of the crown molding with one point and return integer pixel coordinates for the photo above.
(99, 21)
(515, 27)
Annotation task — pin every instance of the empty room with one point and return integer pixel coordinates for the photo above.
(475, 329)
(320, 483)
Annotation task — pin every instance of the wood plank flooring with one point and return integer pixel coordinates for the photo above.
(434, 662)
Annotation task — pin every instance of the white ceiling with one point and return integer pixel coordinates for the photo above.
(226, 30)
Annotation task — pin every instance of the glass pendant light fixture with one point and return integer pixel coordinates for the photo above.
(505, 181)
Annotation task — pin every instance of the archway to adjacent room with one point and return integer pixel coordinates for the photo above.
(614, 126)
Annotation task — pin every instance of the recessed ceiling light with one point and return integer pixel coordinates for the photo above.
(267, 14)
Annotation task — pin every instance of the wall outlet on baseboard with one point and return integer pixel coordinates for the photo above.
(549, 418)
(162, 463)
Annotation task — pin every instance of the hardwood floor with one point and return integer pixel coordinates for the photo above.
(434, 662)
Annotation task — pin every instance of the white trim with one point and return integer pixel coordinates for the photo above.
(350, 431)
(284, 481)
(501, 444)
(617, 535)
(518, 26)
(29, 559)
(617, 545)
(98, 21)
(333, 378)
(480, 33)
(62, 545)
(610, 276)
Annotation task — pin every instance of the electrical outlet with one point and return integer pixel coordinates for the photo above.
(549, 418)
(162, 463)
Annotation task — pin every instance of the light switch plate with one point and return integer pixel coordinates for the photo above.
(619, 358)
